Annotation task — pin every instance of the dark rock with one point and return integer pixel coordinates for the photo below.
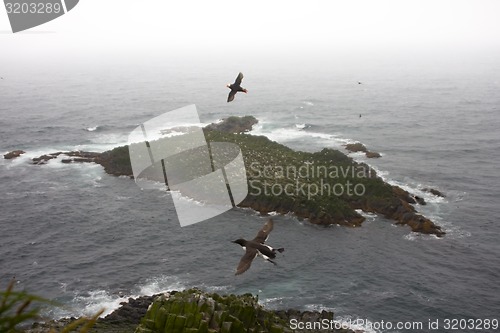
(78, 156)
(131, 311)
(234, 125)
(420, 200)
(356, 147)
(83, 154)
(435, 192)
(399, 208)
(45, 158)
(116, 162)
(359, 147)
(77, 160)
(371, 154)
(13, 154)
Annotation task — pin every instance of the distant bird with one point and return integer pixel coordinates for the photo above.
(359, 82)
(360, 115)
(235, 87)
(256, 247)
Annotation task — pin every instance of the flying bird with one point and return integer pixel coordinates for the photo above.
(256, 247)
(235, 87)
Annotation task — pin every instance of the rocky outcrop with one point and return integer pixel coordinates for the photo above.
(359, 147)
(434, 192)
(399, 208)
(13, 154)
(116, 162)
(302, 210)
(372, 154)
(72, 157)
(125, 319)
(233, 125)
(45, 158)
(195, 311)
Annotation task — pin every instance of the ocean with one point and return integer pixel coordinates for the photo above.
(73, 234)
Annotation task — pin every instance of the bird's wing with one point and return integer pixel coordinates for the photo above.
(238, 79)
(230, 97)
(246, 261)
(263, 233)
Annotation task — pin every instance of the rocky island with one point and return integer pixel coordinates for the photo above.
(326, 187)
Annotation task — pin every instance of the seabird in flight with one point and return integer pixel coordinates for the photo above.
(256, 247)
(235, 87)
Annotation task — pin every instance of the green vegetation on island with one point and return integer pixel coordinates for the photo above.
(325, 187)
(195, 311)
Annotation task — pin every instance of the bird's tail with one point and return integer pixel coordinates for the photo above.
(281, 249)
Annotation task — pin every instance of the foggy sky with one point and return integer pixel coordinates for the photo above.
(259, 28)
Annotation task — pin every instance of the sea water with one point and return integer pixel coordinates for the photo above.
(74, 234)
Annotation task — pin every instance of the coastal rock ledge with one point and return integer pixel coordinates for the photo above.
(197, 311)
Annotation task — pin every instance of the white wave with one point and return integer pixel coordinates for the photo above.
(166, 131)
(161, 284)
(92, 129)
(308, 103)
(257, 127)
(300, 126)
(88, 304)
(106, 141)
(214, 289)
(284, 135)
(357, 324)
(367, 215)
(318, 307)
(453, 230)
(177, 195)
(91, 302)
(275, 302)
(412, 236)
(346, 323)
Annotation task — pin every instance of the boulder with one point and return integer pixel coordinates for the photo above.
(359, 147)
(233, 124)
(435, 192)
(13, 154)
(371, 154)
(356, 147)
